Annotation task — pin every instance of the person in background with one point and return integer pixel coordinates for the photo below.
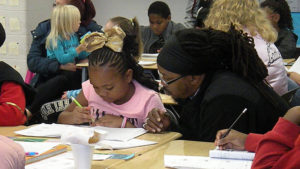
(247, 16)
(37, 61)
(49, 70)
(196, 12)
(14, 93)
(214, 76)
(160, 29)
(277, 149)
(124, 96)
(279, 13)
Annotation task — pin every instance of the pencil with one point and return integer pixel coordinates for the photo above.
(76, 102)
(227, 132)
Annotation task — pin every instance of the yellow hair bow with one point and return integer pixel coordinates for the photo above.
(113, 38)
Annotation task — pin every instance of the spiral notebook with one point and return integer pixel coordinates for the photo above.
(231, 154)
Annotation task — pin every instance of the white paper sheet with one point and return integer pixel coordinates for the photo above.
(296, 66)
(192, 162)
(142, 62)
(55, 130)
(121, 134)
(62, 161)
(152, 55)
(122, 145)
(39, 147)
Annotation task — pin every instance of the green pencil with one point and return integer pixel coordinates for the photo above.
(76, 102)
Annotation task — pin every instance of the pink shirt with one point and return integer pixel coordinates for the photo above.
(136, 109)
(12, 155)
(271, 57)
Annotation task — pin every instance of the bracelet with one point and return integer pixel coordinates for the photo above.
(124, 122)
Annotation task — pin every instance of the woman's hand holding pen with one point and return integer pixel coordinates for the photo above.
(156, 121)
(234, 140)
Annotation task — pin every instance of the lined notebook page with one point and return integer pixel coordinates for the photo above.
(231, 154)
(199, 162)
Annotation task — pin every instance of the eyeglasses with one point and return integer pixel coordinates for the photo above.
(170, 81)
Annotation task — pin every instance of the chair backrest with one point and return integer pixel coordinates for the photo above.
(288, 96)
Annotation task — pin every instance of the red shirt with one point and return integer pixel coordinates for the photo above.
(12, 104)
(277, 149)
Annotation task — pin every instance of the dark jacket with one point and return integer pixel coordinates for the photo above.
(149, 38)
(37, 60)
(8, 74)
(220, 100)
(2, 35)
(286, 43)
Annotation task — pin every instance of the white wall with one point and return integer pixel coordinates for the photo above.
(107, 9)
(29, 13)
(19, 17)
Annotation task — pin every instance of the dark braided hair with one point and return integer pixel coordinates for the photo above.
(122, 62)
(128, 58)
(233, 51)
(282, 8)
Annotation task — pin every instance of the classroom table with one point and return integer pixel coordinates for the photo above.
(161, 139)
(288, 62)
(154, 159)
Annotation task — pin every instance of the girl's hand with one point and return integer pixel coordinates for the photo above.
(77, 116)
(234, 140)
(109, 121)
(156, 121)
(80, 48)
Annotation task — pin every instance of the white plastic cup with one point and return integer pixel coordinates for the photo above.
(83, 155)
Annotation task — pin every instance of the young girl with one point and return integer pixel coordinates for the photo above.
(63, 46)
(117, 92)
(62, 43)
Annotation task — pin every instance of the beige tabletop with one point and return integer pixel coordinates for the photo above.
(154, 159)
(161, 139)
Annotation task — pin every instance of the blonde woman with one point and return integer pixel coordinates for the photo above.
(246, 15)
(62, 42)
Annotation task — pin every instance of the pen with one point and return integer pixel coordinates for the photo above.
(76, 102)
(31, 153)
(227, 132)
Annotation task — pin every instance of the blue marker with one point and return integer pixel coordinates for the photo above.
(31, 153)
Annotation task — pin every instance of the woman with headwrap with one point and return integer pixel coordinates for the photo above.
(214, 75)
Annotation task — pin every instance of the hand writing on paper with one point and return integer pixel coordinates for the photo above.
(109, 121)
(234, 140)
(156, 121)
(77, 116)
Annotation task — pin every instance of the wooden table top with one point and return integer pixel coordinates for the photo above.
(161, 139)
